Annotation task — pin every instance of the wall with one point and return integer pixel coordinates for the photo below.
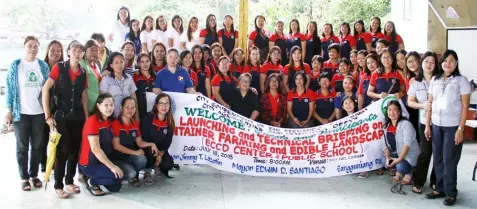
(410, 19)
(436, 36)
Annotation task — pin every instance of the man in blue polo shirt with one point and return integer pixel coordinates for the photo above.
(173, 78)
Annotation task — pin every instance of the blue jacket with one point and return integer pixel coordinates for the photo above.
(12, 94)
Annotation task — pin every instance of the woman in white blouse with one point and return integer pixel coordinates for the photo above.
(148, 35)
(191, 38)
(174, 33)
(120, 28)
(161, 30)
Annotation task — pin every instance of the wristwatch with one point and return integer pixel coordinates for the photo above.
(460, 129)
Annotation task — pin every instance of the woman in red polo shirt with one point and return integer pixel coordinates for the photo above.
(394, 39)
(128, 144)
(361, 59)
(363, 39)
(158, 57)
(375, 31)
(201, 70)
(253, 67)
(386, 80)
(347, 41)
(238, 62)
(337, 80)
(325, 107)
(217, 52)
(97, 148)
(273, 102)
(300, 103)
(354, 68)
(224, 83)
(259, 37)
(185, 61)
(296, 65)
(296, 38)
(271, 65)
(278, 39)
(157, 127)
(145, 82)
(313, 42)
(228, 36)
(208, 35)
(316, 71)
(328, 39)
(371, 61)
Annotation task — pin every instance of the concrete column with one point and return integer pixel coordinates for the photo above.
(436, 33)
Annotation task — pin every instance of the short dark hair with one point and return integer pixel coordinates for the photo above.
(99, 37)
(447, 53)
(335, 46)
(420, 73)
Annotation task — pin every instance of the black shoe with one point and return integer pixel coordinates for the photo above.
(449, 201)
(433, 195)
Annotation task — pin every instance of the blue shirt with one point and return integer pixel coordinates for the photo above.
(173, 82)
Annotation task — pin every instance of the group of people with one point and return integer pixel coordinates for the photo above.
(97, 98)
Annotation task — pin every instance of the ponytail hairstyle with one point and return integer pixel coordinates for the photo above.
(257, 29)
(100, 100)
(125, 99)
(169, 117)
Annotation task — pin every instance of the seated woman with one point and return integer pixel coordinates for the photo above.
(348, 106)
(273, 102)
(324, 111)
(244, 100)
(301, 103)
(400, 146)
(97, 147)
(127, 143)
(157, 127)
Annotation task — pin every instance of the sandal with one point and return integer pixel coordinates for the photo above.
(37, 182)
(147, 179)
(73, 188)
(62, 194)
(392, 172)
(26, 186)
(380, 172)
(416, 190)
(435, 195)
(407, 180)
(94, 190)
(134, 182)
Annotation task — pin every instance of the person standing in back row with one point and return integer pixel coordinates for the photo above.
(259, 38)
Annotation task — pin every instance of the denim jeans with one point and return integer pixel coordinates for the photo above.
(29, 133)
(446, 158)
(132, 165)
(99, 174)
(403, 167)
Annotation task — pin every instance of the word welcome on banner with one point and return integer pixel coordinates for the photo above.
(208, 133)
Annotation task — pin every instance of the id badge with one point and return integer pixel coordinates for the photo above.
(442, 102)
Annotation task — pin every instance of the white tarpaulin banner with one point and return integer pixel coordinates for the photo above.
(207, 133)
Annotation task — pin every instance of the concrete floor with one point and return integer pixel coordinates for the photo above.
(203, 187)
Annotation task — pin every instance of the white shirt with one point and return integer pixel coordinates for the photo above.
(30, 82)
(162, 37)
(176, 43)
(193, 41)
(119, 32)
(147, 37)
